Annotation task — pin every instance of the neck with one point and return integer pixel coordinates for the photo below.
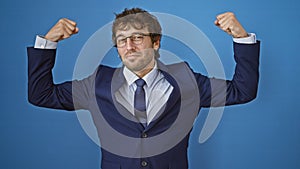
(146, 70)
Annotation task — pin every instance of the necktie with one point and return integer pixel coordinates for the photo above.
(139, 102)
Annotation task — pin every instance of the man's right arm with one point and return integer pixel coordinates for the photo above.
(41, 89)
(41, 58)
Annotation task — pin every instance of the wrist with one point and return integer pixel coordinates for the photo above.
(241, 35)
(42, 43)
(250, 39)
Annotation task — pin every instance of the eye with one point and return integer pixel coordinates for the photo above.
(137, 37)
(121, 40)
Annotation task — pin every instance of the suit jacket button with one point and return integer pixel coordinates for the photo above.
(144, 163)
(144, 135)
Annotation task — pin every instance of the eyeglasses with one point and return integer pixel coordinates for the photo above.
(136, 39)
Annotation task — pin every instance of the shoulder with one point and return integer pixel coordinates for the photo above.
(178, 67)
(174, 66)
(107, 71)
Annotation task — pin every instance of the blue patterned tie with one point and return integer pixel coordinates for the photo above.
(139, 102)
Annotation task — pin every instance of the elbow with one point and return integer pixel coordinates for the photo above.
(247, 92)
(37, 98)
(249, 96)
(32, 99)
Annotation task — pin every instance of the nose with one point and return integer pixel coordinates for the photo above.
(129, 44)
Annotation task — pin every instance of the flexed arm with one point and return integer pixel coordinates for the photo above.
(243, 86)
(41, 89)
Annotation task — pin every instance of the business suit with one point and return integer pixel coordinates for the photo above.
(97, 94)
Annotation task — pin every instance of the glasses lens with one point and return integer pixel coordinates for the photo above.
(121, 42)
(136, 39)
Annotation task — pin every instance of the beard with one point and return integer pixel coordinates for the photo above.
(139, 61)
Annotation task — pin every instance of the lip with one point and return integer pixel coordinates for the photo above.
(131, 56)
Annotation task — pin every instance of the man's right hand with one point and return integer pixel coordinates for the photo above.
(63, 29)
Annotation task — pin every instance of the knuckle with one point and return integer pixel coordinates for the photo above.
(230, 13)
(61, 20)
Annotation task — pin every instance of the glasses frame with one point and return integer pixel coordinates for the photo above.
(131, 37)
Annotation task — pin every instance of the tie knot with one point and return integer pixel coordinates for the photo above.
(140, 82)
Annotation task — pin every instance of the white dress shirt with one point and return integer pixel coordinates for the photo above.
(157, 90)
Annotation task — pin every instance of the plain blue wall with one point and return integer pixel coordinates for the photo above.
(263, 134)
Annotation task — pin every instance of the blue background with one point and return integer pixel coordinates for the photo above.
(263, 134)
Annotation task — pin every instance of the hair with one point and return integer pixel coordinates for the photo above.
(138, 19)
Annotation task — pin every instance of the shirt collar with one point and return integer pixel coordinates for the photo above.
(149, 77)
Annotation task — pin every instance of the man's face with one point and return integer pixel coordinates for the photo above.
(136, 50)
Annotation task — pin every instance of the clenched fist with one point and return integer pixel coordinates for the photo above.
(63, 29)
(228, 23)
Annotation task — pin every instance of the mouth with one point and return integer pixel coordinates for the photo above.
(132, 56)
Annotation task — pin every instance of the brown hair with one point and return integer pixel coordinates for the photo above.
(139, 19)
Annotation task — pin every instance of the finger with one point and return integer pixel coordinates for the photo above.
(72, 25)
(72, 28)
(223, 15)
(61, 32)
(231, 24)
(220, 16)
(226, 23)
(216, 23)
(226, 17)
(76, 30)
(223, 23)
(68, 32)
(68, 29)
(226, 27)
(65, 26)
(70, 21)
(67, 22)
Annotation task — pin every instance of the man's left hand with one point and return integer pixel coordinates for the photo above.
(228, 23)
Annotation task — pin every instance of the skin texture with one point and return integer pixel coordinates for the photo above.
(140, 59)
(229, 23)
(63, 29)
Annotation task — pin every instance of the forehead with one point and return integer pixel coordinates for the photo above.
(129, 30)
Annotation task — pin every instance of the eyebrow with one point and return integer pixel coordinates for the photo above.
(120, 35)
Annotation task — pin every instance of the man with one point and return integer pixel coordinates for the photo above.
(148, 103)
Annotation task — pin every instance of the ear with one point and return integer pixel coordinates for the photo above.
(156, 45)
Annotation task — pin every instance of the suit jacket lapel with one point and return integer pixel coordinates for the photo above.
(118, 80)
(175, 95)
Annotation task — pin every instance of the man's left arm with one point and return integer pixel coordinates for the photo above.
(243, 86)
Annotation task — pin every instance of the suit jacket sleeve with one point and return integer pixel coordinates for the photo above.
(44, 93)
(243, 86)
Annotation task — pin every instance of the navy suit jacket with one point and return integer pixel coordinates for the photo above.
(170, 129)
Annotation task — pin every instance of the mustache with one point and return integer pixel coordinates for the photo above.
(132, 52)
(139, 52)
